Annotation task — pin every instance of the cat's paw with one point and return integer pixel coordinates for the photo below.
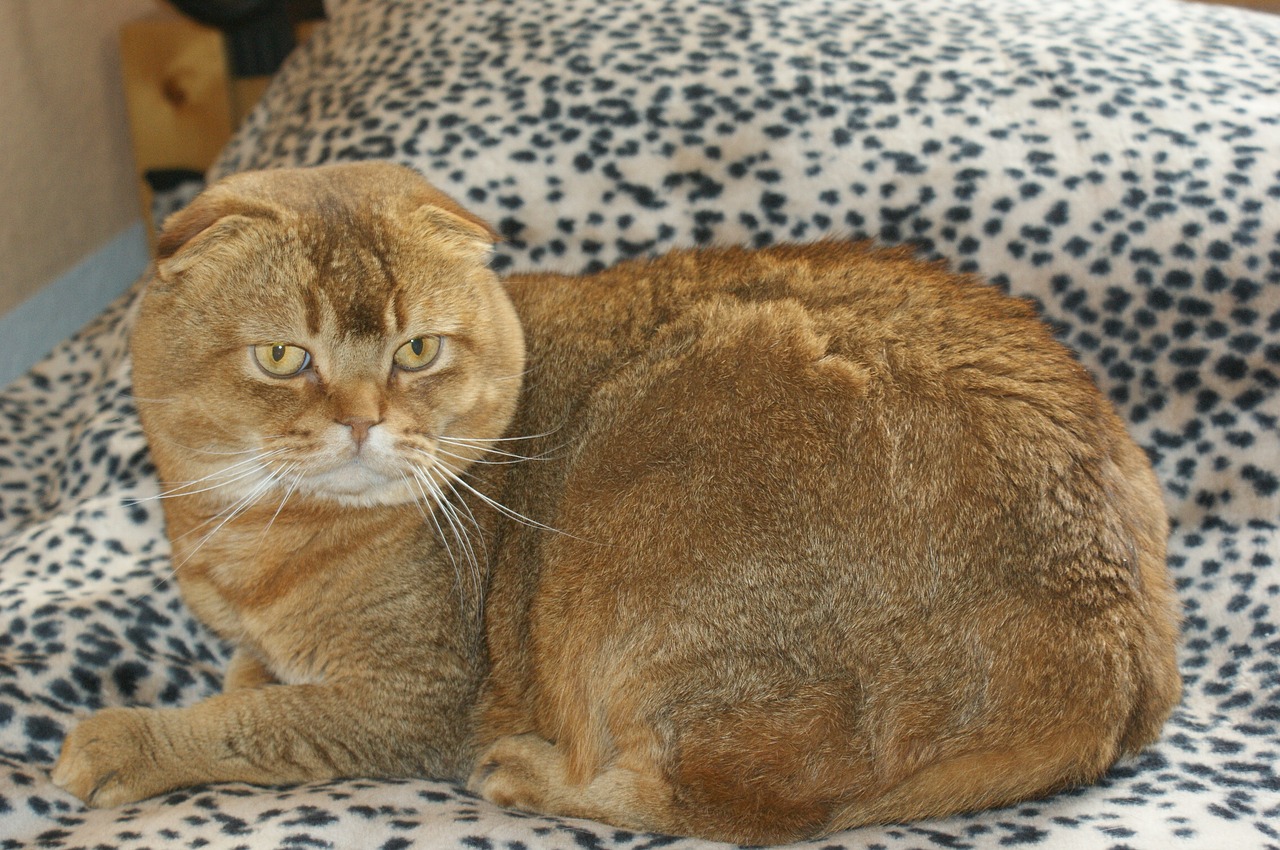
(519, 772)
(109, 759)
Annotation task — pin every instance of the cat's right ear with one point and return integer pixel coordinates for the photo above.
(205, 223)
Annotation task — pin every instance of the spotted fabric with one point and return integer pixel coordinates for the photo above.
(1117, 162)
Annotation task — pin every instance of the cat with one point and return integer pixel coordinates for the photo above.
(750, 545)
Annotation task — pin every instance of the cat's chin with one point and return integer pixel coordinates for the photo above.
(357, 486)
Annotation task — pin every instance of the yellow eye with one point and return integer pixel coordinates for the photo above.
(418, 353)
(281, 360)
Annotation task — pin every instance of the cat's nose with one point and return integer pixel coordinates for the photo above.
(359, 428)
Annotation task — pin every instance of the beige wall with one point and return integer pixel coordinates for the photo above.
(66, 167)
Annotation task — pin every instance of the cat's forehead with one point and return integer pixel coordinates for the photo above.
(353, 292)
(361, 282)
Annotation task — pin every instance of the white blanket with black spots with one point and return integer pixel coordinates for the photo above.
(1118, 161)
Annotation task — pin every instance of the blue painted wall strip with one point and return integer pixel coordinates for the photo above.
(30, 331)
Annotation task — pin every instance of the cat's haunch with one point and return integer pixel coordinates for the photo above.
(746, 545)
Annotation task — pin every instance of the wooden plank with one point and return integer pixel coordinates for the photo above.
(178, 97)
(1272, 6)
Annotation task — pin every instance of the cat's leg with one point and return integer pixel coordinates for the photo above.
(761, 772)
(246, 670)
(264, 736)
(765, 773)
(529, 773)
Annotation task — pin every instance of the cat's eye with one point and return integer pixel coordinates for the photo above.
(418, 353)
(281, 360)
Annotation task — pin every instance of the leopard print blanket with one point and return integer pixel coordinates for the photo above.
(1117, 162)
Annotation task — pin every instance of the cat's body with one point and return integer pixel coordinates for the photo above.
(839, 537)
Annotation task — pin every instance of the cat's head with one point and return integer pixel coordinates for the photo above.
(333, 332)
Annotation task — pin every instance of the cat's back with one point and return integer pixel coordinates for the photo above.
(867, 302)
(905, 333)
(847, 393)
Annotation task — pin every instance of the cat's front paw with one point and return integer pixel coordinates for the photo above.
(110, 758)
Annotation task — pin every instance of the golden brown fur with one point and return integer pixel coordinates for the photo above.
(839, 537)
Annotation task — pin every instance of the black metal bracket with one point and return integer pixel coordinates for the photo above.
(259, 33)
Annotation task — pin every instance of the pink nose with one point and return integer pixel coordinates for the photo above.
(359, 428)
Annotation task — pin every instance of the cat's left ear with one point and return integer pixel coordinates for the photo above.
(446, 219)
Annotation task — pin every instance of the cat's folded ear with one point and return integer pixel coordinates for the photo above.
(214, 213)
(445, 219)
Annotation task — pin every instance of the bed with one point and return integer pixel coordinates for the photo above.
(1116, 162)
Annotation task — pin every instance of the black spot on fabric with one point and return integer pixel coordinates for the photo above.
(42, 729)
(126, 677)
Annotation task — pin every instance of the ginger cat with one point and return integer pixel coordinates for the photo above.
(770, 543)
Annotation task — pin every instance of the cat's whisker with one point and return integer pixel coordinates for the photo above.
(463, 442)
(177, 486)
(247, 501)
(229, 512)
(159, 583)
(293, 485)
(431, 491)
(464, 506)
(477, 575)
(215, 420)
(454, 516)
(258, 456)
(256, 465)
(429, 504)
(517, 376)
(457, 524)
(179, 491)
(489, 446)
(185, 447)
(128, 394)
(257, 490)
(496, 505)
(458, 509)
(487, 461)
(418, 495)
(507, 439)
(455, 521)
